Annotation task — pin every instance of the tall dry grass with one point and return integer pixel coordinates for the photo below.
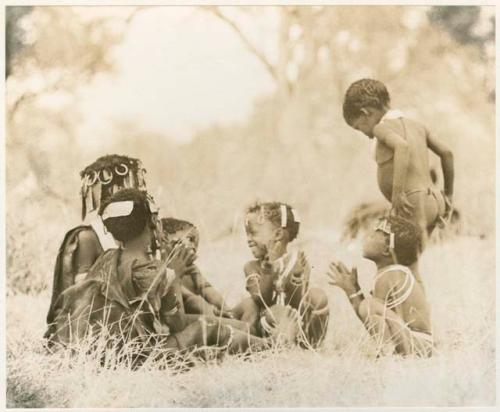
(459, 277)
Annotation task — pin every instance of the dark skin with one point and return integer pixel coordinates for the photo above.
(369, 124)
(137, 249)
(268, 243)
(189, 330)
(189, 238)
(87, 252)
(393, 324)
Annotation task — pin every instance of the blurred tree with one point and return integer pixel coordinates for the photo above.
(470, 25)
(322, 49)
(13, 34)
(57, 51)
(461, 22)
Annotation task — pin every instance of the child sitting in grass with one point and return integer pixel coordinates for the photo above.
(198, 295)
(278, 280)
(131, 296)
(397, 311)
(401, 155)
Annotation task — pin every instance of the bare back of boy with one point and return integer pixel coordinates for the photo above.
(428, 203)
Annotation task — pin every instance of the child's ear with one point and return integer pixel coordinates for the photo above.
(279, 234)
(387, 251)
(365, 111)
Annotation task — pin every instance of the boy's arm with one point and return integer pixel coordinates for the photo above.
(446, 156)
(347, 280)
(401, 159)
(252, 282)
(172, 309)
(205, 288)
(86, 254)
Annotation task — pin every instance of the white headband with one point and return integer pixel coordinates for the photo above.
(283, 216)
(295, 215)
(118, 209)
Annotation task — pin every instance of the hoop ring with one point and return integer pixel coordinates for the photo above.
(91, 178)
(105, 176)
(121, 169)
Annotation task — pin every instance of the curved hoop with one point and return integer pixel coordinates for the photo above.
(121, 169)
(102, 177)
(91, 178)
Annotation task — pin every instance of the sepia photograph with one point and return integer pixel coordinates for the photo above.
(249, 206)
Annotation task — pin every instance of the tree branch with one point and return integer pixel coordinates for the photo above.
(248, 44)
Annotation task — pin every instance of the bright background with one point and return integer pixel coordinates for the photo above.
(230, 104)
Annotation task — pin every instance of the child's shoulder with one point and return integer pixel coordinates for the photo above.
(413, 123)
(398, 127)
(87, 236)
(251, 266)
(393, 273)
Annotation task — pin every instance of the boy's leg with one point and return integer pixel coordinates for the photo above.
(385, 325)
(195, 304)
(315, 315)
(428, 206)
(209, 333)
(234, 323)
(248, 311)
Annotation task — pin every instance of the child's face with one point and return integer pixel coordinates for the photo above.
(375, 245)
(260, 234)
(367, 121)
(189, 237)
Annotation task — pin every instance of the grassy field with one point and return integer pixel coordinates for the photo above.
(460, 280)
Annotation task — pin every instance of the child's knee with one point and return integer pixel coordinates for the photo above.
(316, 299)
(371, 307)
(197, 305)
(249, 305)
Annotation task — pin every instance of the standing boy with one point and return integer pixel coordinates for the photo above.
(401, 155)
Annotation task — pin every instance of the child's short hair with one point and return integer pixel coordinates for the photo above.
(364, 93)
(407, 239)
(272, 211)
(171, 225)
(127, 227)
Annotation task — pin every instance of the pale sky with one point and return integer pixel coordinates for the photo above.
(179, 69)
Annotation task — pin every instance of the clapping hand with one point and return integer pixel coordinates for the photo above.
(180, 259)
(342, 277)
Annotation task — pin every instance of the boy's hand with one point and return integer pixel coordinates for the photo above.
(343, 278)
(448, 200)
(301, 264)
(402, 206)
(181, 259)
(225, 313)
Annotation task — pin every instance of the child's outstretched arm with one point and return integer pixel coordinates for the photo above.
(400, 203)
(347, 280)
(208, 292)
(446, 156)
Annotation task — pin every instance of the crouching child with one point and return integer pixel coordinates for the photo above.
(278, 280)
(198, 294)
(396, 313)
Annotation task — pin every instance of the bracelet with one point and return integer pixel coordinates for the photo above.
(358, 293)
